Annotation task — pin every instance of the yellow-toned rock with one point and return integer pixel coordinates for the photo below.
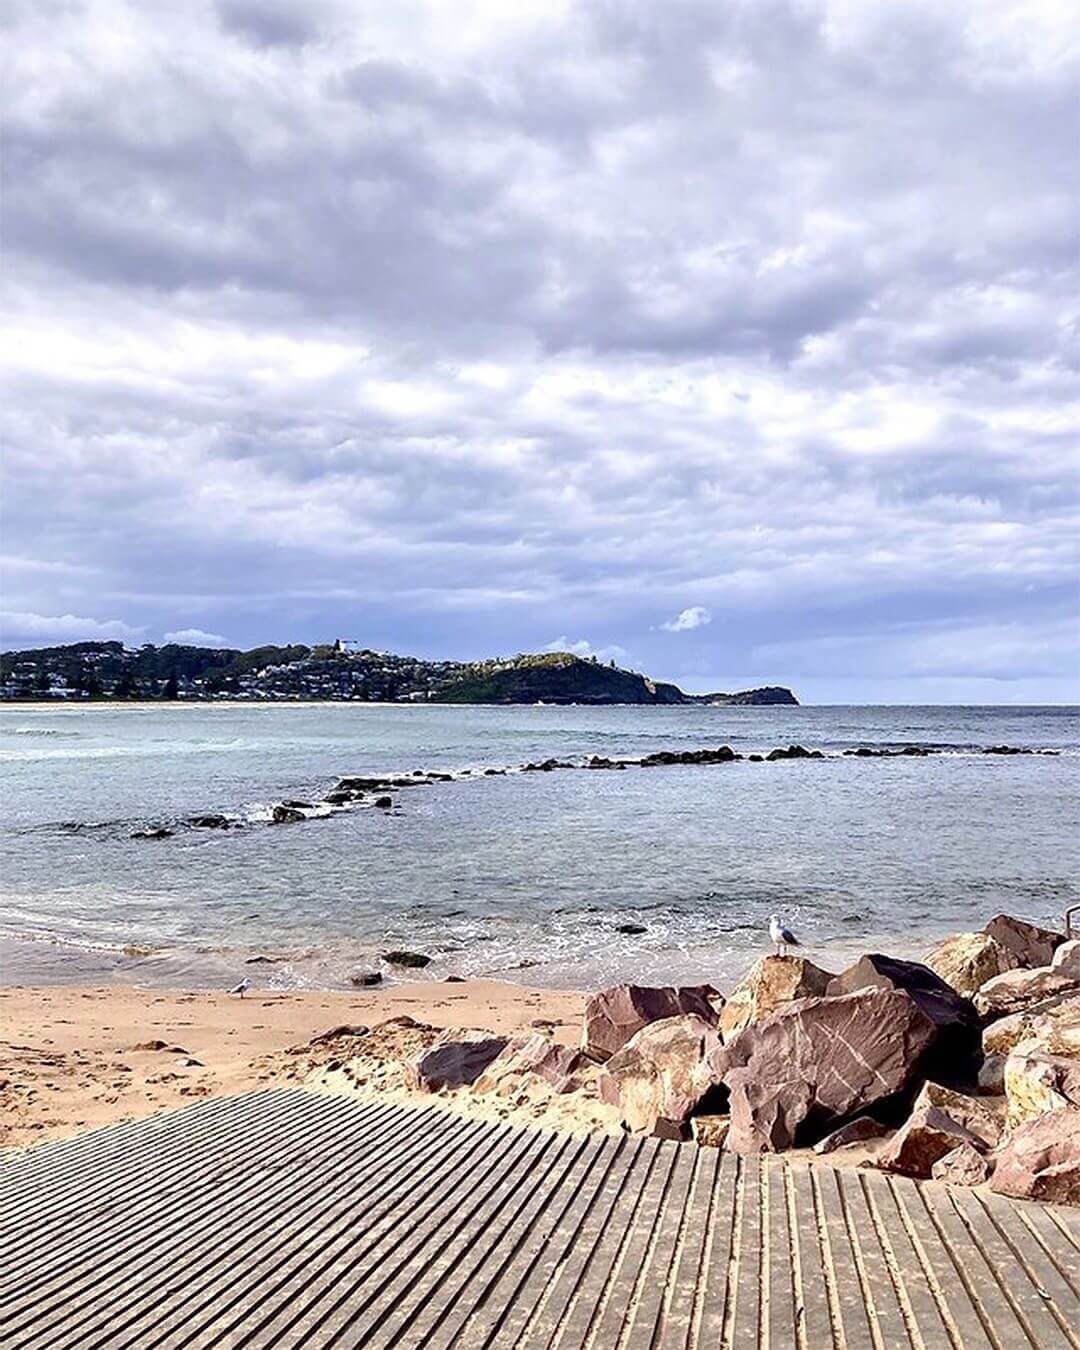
(710, 1131)
(1054, 1025)
(1037, 1083)
(968, 960)
(773, 981)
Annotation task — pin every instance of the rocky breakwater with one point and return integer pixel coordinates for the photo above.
(973, 1085)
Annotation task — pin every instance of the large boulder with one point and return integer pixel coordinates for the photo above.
(1037, 1083)
(983, 1116)
(661, 1075)
(773, 981)
(456, 1059)
(805, 1068)
(1020, 990)
(1041, 1160)
(1054, 1024)
(533, 1056)
(955, 1050)
(1034, 946)
(968, 960)
(614, 1015)
(964, 1166)
(925, 1137)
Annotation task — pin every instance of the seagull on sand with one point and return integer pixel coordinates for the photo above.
(242, 987)
(782, 936)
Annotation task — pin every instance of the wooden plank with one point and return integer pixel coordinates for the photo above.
(744, 1329)
(654, 1273)
(922, 1310)
(1049, 1282)
(957, 1309)
(603, 1316)
(688, 1279)
(509, 1298)
(1007, 1272)
(779, 1321)
(997, 1314)
(716, 1292)
(566, 1322)
(444, 1299)
(883, 1304)
(842, 1269)
(813, 1314)
(501, 1323)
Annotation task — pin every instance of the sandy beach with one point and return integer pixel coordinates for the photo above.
(75, 1058)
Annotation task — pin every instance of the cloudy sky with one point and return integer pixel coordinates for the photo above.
(739, 341)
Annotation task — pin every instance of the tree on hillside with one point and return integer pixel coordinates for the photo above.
(172, 686)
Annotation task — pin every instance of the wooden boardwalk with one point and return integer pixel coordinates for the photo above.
(283, 1218)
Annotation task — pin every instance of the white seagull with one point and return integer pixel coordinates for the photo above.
(242, 987)
(781, 936)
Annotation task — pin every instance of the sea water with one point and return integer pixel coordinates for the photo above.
(524, 876)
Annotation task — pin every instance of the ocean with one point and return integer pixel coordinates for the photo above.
(520, 876)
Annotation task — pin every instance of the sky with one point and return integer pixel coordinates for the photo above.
(737, 342)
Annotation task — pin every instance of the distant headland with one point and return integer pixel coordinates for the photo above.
(335, 672)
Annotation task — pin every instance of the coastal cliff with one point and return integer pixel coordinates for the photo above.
(92, 670)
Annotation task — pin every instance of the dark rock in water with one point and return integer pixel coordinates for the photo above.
(602, 762)
(1034, 946)
(614, 1015)
(794, 752)
(632, 928)
(456, 1059)
(359, 784)
(722, 755)
(384, 803)
(442, 777)
(414, 960)
(336, 798)
(263, 960)
(956, 1047)
(493, 773)
(756, 759)
(455, 979)
(287, 815)
(155, 832)
(1006, 750)
(365, 979)
(208, 822)
(300, 806)
(800, 1072)
(546, 766)
(910, 751)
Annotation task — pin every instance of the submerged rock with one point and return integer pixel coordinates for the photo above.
(801, 1071)
(614, 1015)
(208, 822)
(412, 960)
(154, 832)
(287, 815)
(384, 803)
(365, 979)
(661, 1075)
(632, 929)
(794, 752)
(723, 755)
(1041, 1160)
(773, 981)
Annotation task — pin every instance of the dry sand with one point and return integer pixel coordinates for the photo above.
(70, 1058)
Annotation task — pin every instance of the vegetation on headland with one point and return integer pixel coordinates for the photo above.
(334, 672)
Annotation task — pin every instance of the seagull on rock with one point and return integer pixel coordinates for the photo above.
(242, 987)
(782, 936)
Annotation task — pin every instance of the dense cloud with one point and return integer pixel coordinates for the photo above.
(451, 328)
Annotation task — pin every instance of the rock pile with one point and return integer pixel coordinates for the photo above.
(967, 1082)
